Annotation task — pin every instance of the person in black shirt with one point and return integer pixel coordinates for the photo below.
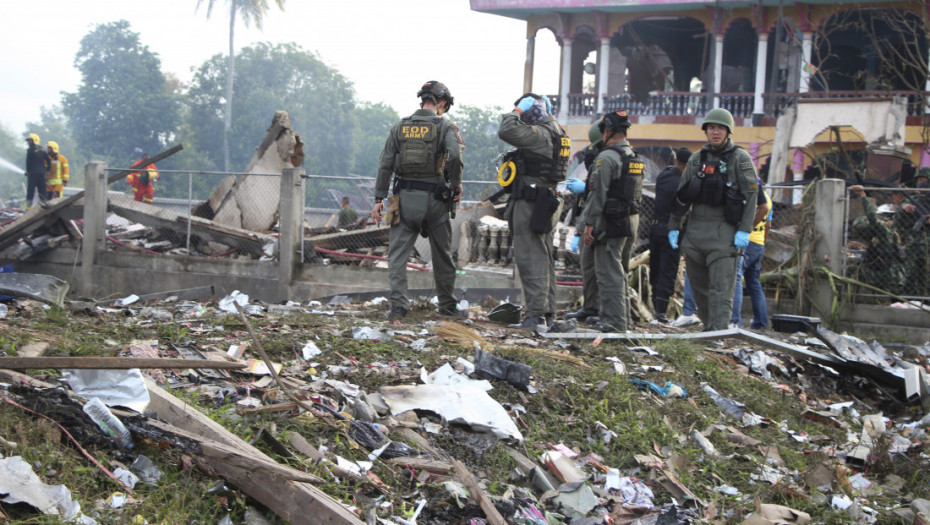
(663, 259)
(38, 165)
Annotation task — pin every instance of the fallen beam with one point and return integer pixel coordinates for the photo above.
(354, 239)
(113, 363)
(297, 503)
(45, 288)
(154, 217)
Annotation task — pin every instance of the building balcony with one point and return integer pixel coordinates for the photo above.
(688, 104)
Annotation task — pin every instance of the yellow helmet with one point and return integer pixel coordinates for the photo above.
(34, 138)
(54, 145)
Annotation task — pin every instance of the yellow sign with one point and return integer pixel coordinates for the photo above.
(636, 168)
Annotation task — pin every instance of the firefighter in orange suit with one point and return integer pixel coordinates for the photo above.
(143, 182)
(59, 174)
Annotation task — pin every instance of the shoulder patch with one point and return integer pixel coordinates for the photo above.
(753, 186)
(458, 136)
(745, 165)
(598, 163)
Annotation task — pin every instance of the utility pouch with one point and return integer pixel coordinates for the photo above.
(442, 193)
(688, 193)
(713, 190)
(733, 206)
(545, 206)
(617, 219)
(392, 217)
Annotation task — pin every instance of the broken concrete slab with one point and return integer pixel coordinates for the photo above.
(45, 288)
(251, 201)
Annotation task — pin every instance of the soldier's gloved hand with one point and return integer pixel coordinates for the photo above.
(526, 103)
(575, 241)
(673, 239)
(548, 104)
(574, 185)
(741, 239)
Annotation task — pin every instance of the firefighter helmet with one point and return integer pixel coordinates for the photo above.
(718, 116)
(34, 138)
(436, 91)
(54, 145)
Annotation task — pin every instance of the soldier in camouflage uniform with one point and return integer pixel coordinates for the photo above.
(541, 158)
(592, 302)
(912, 224)
(882, 265)
(424, 151)
(615, 192)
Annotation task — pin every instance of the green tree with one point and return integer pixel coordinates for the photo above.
(319, 99)
(124, 100)
(373, 123)
(478, 126)
(251, 11)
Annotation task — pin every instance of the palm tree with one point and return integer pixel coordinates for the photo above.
(251, 11)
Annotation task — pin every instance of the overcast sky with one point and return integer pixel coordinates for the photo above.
(387, 48)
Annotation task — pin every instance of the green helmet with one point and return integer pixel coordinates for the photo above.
(718, 116)
(594, 132)
(861, 228)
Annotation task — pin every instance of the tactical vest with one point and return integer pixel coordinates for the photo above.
(420, 154)
(629, 187)
(624, 195)
(551, 169)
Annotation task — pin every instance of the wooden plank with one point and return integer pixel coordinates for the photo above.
(430, 465)
(215, 450)
(298, 503)
(38, 215)
(490, 512)
(113, 363)
(353, 239)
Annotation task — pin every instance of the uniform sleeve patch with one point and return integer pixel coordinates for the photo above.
(458, 136)
(753, 186)
(745, 165)
(598, 163)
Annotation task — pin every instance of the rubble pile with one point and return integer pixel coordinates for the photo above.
(357, 420)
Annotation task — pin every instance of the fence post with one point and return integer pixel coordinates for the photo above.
(829, 224)
(95, 220)
(291, 229)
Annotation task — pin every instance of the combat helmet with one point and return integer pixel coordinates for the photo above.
(436, 91)
(615, 120)
(594, 132)
(718, 116)
(861, 228)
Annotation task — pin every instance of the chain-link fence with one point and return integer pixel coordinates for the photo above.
(888, 243)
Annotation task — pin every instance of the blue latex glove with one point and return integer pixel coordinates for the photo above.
(526, 103)
(548, 104)
(741, 240)
(673, 239)
(575, 240)
(574, 185)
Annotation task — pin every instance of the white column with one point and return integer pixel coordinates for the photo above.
(758, 105)
(566, 76)
(603, 59)
(528, 68)
(927, 99)
(718, 67)
(805, 80)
